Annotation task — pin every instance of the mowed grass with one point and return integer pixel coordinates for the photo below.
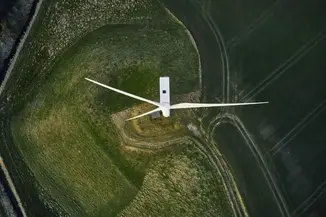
(67, 161)
(64, 131)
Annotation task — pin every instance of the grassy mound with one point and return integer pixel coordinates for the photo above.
(66, 126)
(61, 123)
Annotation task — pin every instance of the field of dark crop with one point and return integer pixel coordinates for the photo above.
(269, 51)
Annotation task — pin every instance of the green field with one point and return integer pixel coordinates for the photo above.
(61, 124)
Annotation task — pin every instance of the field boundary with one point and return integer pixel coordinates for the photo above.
(2, 87)
(12, 186)
(20, 46)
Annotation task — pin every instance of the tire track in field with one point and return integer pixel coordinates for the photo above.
(235, 121)
(301, 209)
(285, 66)
(225, 60)
(220, 41)
(223, 173)
(209, 147)
(263, 17)
(298, 127)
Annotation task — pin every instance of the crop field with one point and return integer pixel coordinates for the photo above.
(59, 138)
(57, 130)
(266, 51)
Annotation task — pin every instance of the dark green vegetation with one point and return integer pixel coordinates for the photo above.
(266, 50)
(56, 133)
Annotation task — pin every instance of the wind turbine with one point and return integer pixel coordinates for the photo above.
(164, 104)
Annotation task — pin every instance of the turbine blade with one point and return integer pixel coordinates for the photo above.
(146, 113)
(124, 92)
(205, 105)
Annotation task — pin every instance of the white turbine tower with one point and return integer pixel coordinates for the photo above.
(164, 104)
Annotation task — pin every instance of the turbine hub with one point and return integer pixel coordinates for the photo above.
(165, 110)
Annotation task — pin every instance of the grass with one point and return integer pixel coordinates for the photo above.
(60, 123)
(178, 185)
(66, 126)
